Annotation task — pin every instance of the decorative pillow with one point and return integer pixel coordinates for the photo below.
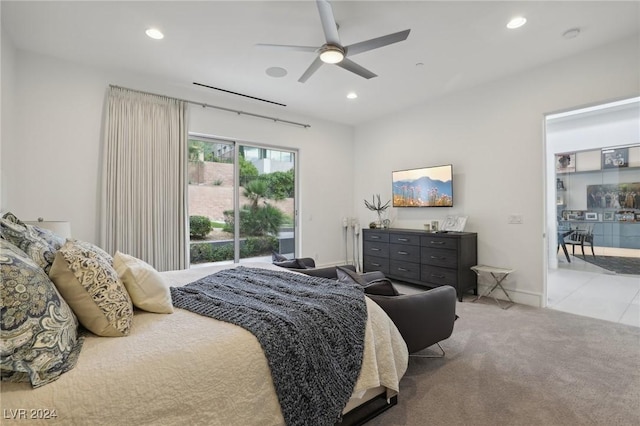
(348, 276)
(145, 285)
(277, 257)
(39, 244)
(84, 276)
(291, 264)
(382, 287)
(38, 329)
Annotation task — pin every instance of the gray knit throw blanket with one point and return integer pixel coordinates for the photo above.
(311, 330)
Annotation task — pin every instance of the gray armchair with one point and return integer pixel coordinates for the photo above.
(423, 319)
(307, 265)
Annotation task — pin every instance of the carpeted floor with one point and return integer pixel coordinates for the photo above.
(524, 366)
(617, 264)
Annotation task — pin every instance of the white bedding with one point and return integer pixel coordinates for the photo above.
(184, 368)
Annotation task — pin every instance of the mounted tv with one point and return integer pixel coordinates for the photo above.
(424, 187)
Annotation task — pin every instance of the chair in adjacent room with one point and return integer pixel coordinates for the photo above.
(581, 237)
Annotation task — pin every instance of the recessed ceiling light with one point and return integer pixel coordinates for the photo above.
(516, 22)
(276, 72)
(352, 95)
(154, 33)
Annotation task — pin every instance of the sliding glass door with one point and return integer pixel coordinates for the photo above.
(241, 201)
(211, 196)
(267, 201)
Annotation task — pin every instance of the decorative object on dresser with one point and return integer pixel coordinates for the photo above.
(454, 223)
(426, 259)
(376, 206)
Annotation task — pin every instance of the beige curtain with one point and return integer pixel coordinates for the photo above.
(144, 200)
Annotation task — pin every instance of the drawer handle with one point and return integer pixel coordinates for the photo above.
(375, 264)
(437, 276)
(403, 239)
(375, 249)
(375, 237)
(403, 270)
(436, 242)
(404, 253)
(438, 257)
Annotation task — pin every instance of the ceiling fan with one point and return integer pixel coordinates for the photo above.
(332, 52)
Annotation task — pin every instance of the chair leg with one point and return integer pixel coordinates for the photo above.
(582, 247)
(419, 355)
(592, 252)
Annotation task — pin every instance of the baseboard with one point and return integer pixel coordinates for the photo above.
(519, 296)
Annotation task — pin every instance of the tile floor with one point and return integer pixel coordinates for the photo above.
(584, 289)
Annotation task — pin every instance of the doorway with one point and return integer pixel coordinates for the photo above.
(242, 203)
(593, 178)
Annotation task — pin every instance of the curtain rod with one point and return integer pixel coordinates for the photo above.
(204, 105)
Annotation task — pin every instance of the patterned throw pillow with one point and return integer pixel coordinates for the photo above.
(38, 329)
(145, 285)
(84, 275)
(39, 244)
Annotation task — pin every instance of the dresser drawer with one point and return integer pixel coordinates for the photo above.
(372, 263)
(374, 236)
(375, 249)
(437, 257)
(433, 241)
(404, 252)
(412, 240)
(406, 270)
(439, 276)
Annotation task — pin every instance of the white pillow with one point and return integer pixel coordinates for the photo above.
(145, 285)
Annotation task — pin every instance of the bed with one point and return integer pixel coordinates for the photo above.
(185, 368)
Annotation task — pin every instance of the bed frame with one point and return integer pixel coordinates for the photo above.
(369, 410)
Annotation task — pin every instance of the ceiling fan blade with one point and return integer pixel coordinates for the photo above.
(377, 42)
(349, 65)
(329, 25)
(312, 68)
(283, 47)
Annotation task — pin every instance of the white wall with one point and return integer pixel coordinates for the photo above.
(7, 97)
(53, 165)
(493, 136)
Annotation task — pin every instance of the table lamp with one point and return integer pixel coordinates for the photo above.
(58, 227)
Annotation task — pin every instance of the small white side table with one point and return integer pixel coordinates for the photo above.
(499, 275)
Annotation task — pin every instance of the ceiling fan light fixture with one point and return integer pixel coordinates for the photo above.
(331, 55)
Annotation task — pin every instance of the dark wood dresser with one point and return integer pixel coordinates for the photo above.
(424, 258)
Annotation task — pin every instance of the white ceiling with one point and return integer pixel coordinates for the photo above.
(461, 44)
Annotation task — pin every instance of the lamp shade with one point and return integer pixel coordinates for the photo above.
(58, 227)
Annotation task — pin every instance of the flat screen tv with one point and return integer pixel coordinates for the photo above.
(424, 187)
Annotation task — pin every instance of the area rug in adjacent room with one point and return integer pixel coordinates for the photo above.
(523, 366)
(617, 264)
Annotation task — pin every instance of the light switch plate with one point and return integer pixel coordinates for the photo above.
(515, 219)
